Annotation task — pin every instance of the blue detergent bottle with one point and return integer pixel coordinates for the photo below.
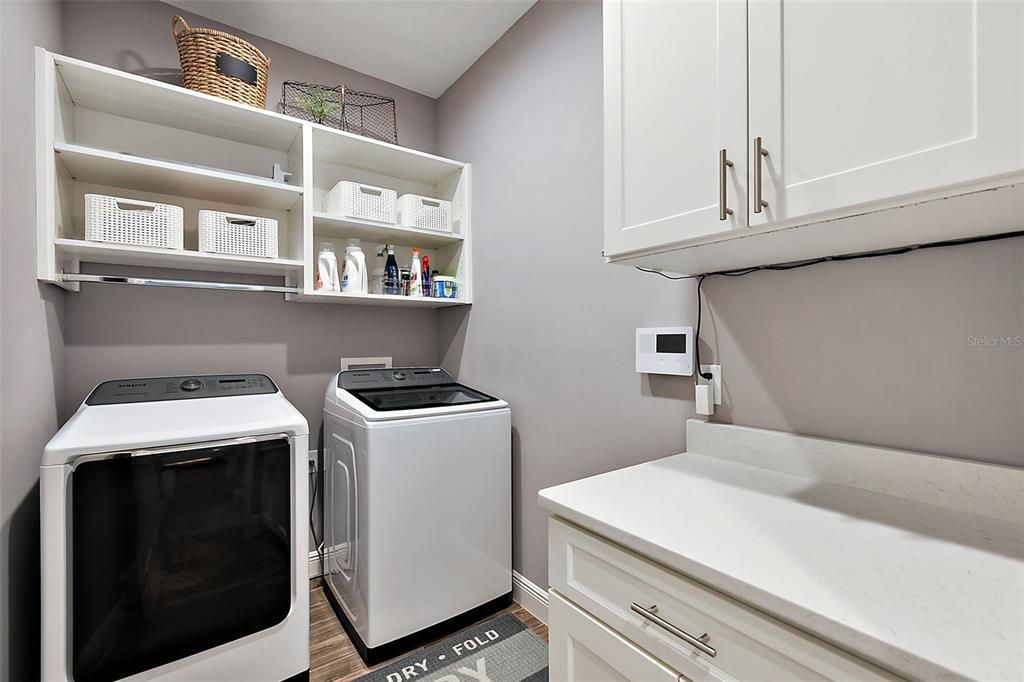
(392, 278)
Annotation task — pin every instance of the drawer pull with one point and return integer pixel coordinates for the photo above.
(699, 643)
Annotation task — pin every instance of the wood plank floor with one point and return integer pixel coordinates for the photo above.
(332, 658)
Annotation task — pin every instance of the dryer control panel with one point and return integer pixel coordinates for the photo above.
(398, 377)
(121, 391)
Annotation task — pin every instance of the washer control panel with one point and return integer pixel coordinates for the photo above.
(121, 391)
(398, 377)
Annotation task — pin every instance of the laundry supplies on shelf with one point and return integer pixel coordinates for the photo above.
(415, 275)
(327, 269)
(445, 287)
(354, 279)
(425, 277)
(392, 277)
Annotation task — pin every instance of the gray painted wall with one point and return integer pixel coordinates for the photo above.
(114, 331)
(31, 345)
(552, 326)
(135, 36)
(890, 351)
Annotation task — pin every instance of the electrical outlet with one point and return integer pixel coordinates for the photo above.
(313, 458)
(716, 379)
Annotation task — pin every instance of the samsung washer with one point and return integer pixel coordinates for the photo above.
(174, 534)
(417, 506)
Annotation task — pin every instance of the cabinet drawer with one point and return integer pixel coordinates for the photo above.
(606, 581)
(584, 650)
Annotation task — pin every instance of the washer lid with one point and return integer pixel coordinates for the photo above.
(420, 397)
(403, 393)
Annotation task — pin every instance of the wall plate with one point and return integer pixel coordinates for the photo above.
(365, 363)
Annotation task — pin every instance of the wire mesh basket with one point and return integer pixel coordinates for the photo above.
(336, 106)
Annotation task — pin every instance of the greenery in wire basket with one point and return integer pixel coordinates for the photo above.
(317, 103)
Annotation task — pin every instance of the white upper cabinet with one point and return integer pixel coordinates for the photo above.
(858, 102)
(675, 96)
(830, 113)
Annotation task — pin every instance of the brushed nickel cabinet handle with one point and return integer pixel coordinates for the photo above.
(759, 152)
(723, 163)
(699, 643)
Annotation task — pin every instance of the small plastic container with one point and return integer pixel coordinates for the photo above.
(445, 287)
(355, 200)
(426, 213)
(377, 281)
(128, 221)
(237, 234)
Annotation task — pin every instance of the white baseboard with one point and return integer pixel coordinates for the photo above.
(314, 565)
(530, 597)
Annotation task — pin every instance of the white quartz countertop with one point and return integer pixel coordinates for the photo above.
(922, 577)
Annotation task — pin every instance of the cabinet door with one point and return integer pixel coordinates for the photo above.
(675, 96)
(584, 650)
(869, 101)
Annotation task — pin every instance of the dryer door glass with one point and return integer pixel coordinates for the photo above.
(177, 552)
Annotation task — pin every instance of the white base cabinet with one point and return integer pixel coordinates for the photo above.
(728, 123)
(614, 611)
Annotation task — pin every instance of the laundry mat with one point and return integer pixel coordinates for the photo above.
(499, 650)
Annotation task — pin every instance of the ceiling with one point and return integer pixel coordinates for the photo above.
(422, 45)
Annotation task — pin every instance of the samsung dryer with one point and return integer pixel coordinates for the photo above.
(174, 534)
(417, 506)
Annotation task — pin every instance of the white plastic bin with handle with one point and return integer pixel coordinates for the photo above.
(237, 234)
(129, 221)
(430, 214)
(356, 200)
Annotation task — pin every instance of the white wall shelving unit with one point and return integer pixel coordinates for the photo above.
(105, 131)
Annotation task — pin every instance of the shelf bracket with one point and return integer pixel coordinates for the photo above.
(178, 283)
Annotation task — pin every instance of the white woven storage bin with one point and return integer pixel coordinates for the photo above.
(355, 200)
(430, 214)
(127, 221)
(238, 235)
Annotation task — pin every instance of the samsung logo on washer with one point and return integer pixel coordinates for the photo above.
(665, 350)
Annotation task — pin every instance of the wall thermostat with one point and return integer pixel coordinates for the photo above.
(665, 350)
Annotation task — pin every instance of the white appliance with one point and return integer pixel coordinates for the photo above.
(174, 534)
(665, 350)
(417, 506)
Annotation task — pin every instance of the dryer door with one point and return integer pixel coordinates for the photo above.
(176, 551)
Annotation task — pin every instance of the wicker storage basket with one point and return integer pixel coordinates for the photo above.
(127, 221)
(355, 200)
(430, 214)
(238, 235)
(219, 64)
